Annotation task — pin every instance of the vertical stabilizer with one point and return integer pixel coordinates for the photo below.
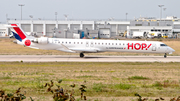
(20, 35)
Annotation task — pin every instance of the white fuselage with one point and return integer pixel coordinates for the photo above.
(97, 45)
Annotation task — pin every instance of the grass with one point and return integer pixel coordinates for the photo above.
(85, 76)
(123, 86)
(7, 47)
(103, 80)
(98, 87)
(5, 77)
(138, 78)
(166, 84)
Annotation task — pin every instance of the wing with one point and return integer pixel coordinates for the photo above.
(82, 50)
(78, 50)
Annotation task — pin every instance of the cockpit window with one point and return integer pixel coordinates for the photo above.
(163, 45)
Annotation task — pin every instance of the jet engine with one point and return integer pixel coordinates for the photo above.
(42, 40)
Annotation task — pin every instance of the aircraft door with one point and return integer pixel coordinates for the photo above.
(92, 44)
(87, 44)
(154, 47)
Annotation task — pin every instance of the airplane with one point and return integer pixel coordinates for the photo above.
(82, 46)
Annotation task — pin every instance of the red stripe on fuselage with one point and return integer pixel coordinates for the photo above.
(19, 32)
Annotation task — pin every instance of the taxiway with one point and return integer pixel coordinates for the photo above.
(95, 58)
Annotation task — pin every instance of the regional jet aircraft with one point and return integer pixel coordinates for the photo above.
(82, 46)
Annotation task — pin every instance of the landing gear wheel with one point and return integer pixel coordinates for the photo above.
(81, 55)
(165, 55)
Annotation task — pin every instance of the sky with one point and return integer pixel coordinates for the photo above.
(87, 9)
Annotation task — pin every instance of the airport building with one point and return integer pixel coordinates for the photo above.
(93, 28)
(66, 29)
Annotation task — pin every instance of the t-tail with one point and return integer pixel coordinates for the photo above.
(20, 35)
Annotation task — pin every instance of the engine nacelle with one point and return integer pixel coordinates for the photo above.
(42, 40)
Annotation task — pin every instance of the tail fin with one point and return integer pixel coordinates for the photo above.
(18, 33)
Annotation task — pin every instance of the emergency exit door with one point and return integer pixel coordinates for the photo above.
(154, 47)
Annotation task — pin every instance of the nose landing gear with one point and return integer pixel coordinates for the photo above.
(165, 55)
(81, 55)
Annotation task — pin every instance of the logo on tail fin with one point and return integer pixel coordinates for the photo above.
(27, 42)
(17, 36)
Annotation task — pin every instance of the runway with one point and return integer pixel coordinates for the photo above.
(95, 58)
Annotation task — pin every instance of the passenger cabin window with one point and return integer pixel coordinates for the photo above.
(81, 42)
(163, 45)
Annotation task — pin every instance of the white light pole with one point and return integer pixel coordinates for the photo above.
(56, 16)
(160, 11)
(164, 9)
(31, 17)
(7, 18)
(66, 16)
(31, 24)
(21, 9)
(126, 16)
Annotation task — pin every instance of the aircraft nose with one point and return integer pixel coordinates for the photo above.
(172, 50)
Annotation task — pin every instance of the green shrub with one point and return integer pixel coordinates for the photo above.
(123, 86)
(98, 87)
(6, 77)
(157, 84)
(138, 78)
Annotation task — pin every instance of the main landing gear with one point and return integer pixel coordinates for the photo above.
(165, 55)
(81, 55)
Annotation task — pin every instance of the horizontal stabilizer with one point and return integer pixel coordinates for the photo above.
(9, 26)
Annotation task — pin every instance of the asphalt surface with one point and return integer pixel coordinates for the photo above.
(95, 58)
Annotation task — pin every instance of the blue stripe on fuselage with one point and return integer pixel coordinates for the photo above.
(17, 36)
